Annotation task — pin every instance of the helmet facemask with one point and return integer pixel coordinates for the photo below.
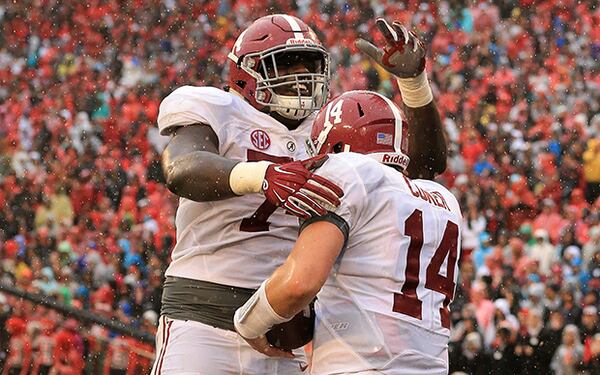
(305, 92)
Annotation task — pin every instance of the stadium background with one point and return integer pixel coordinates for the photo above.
(86, 221)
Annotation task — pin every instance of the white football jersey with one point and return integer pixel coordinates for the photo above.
(385, 304)
(237, 241)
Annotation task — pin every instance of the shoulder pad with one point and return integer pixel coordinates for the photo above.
(191, 105)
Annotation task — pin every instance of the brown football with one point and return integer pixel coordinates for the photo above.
(295, 333)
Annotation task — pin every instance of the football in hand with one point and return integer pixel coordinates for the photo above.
(294, 333)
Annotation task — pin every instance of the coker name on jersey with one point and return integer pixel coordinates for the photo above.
(384, 262)
(228, 237)
(386, 302)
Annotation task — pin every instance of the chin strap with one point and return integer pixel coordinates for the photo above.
(282, 104)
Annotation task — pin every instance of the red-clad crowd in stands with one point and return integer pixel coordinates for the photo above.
(86, 219)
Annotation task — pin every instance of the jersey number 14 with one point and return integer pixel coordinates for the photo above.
(407, 302)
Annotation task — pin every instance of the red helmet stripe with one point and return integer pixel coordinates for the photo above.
(294, 25)
(398, 123)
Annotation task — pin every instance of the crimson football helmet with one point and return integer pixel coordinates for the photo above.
(258, 56)
(364, 122)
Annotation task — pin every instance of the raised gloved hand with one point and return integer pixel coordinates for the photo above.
(404, 53)
(404, 57)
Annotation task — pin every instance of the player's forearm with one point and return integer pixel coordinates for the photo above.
(427, 145)
(426, 138)
(286, 296)
(288, 292)
(296, 283)
(200, 176)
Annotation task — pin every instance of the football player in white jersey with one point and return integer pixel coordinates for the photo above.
(384, 262)
(230, 160)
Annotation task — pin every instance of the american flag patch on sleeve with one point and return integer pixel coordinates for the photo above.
(385, 139)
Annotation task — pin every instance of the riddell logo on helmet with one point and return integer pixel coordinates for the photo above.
(260, 139)
(394, 159)
(294, 41)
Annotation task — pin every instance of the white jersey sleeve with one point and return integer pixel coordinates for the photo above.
(390, 290)
(189, 105)
(343, 171)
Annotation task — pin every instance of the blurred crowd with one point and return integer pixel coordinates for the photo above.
(86, 220)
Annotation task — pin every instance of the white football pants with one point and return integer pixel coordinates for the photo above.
(189, 347)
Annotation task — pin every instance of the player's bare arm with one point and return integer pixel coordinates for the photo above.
(194, 170)
(299, 279)
(404, 57)
(426, 141)
(193, 167)
(292, 286)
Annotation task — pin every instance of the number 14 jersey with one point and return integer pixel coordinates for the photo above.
(390, 288)
(237, 241)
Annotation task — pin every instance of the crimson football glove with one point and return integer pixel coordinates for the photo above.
(404, 53)
(297, 189)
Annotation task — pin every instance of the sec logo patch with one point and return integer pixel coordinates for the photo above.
(260, 139)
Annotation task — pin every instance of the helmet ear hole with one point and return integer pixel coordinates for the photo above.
(361, 113)
(338, 147)
(260, 39)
